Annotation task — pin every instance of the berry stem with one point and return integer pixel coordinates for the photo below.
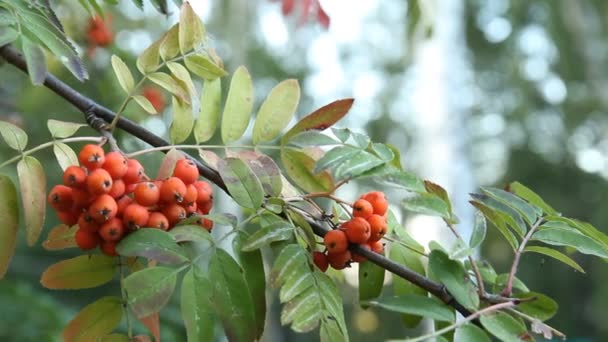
(49, 144)
(509, 286)
(480, 286)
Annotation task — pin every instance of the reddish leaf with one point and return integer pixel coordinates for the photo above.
(321, 118)
(322, 17)
(152, 323)
(60, 237)
(9, 222)
(94, 320)
(168, 164)
(81, 272)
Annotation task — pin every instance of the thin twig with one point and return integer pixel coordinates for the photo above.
(480, 286)
(509, 286)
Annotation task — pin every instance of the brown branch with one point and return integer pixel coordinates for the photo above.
(87, 105)
(509, 286)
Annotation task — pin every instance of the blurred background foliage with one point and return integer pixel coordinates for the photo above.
(514, 91)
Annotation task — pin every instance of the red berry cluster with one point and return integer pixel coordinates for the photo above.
(110, 196)
(366, 228)
(99, 32)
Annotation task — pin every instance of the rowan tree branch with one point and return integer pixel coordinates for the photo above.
(88, 106)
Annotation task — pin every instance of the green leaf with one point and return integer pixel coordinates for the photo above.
(342, 133)
(509, 215)
(542, 307)
(182, 122)
(413, 304)
(299, 165)
(65, 155)
(160, 5)
(403, 236)
(190, 233)
(371, 280)
(147, 62)
(276, 111)
(237, 109)
(268, 173)
(191, 30)
(471, 333)
(402, 287)
(197, 306)
(530, 196)
(479, 231)
(528, 211)
(292, 259)
(15, 137)
(9, 222)
(150, 289)
(399, 178)
(455, 278)
(63, 129)
(95, 320)
(566, 237)
(171, 85)
(335, 157)
(169, 46)
(242, 183)
(357, 165)
(35, 60)
(312, 138)
(556, 255)
(503, 326)
(7, 35)
(253, 267)
(81, 272)
(39, 29)
(209, 115)
(498, 222)
(384, 152)
(440, 192)
(361, 140)
(115, 337)
(320, 119)
(501, 281)
(153, 244)
(204, 67)
(427, 204)
(32, 182)
(145, 104)
(276, 231)
(123, 74)
(233, 305)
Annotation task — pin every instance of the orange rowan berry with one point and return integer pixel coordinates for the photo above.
(173, 190)
(376, 246)
(340, 260)
(155, 96)
(99, 182)
(357, 230)
(378, 226)
(186, 170)
(362, 208)
(99, 33)
(190, 208)
(204, 192)
(118, 188)
(378, 201)
(205, 207)
(74, 176)
(122, 203)
(81, 198)
(60, 198)
(69, 218)
(135, 216)
(158, 220)
(207, 224)
(336, 241)
(320, 259)
(87, 223)
(91, 156)
(86, 240)
(113, 230)
(174, 213)
(103, 208)
(358, 257)
(116, 164)
(135, 172)
(108, 248)
(191, 194)
(146, 194)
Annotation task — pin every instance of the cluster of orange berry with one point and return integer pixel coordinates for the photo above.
(110, 196)
(99, 32)
(366, 228)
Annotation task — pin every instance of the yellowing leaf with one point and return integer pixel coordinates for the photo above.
(204, 66)
(63, 129)
(209, 114)
(145, 104)
(299, 165)
(32, 182)
(94, 320)
(60, 237)
(81, 272)
(9, 222)
(65, 155)
(191, 30)
(123, 74)
(276, 111)
(148, 60)
(182, 123)
(169, 47)
(15, 137)
(239, 103)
